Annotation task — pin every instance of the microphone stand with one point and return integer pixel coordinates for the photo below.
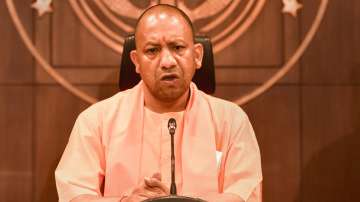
(173, 197)
(173, 185)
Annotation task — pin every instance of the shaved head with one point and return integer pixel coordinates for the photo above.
(164, 9)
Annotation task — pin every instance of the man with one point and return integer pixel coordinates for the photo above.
(122, 143)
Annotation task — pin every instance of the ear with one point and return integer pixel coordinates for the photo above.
(199, 52)
(134, 59)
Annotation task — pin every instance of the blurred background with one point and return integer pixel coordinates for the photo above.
(307, 124)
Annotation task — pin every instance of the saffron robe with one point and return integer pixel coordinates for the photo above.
(106, 143)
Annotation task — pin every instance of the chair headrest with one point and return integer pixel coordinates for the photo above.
(204, 77)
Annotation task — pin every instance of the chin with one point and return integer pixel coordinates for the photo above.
(170, 95)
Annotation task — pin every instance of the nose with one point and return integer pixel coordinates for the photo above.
(167, 60)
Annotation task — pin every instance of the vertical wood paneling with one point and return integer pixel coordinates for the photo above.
(15, 143)
(15, 187)
(356, 35)
(261, 45)
(330, 60)
(56, 111)
(16, 108)
(331, 141)
(16, 62)
(73, 45)
(275, 118)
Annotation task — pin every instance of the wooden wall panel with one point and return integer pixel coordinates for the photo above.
(15, 187)
(16, 108)
(276, 121)
(261, 45)
(74, 45)
(331, 142)
(56, 112)
(356, 36)
(331, 56)
(239, 76)
(16, 62)
(232, 92)
(16, 147)
(82, 75)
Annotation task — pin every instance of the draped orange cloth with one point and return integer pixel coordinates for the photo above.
(107, 144)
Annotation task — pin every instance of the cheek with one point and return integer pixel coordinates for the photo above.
(188, 67)
(148, 70)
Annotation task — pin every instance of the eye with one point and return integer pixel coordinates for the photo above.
(179, 48)
(152, 50)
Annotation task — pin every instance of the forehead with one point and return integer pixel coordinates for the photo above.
(166, 25)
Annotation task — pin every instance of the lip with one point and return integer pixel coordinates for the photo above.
(169, 77)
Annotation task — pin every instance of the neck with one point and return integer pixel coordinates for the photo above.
(160, 106)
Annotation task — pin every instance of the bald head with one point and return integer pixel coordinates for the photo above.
(163, 11)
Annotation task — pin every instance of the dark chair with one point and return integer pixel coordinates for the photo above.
(204, 77)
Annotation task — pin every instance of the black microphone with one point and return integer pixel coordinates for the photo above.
(172, 128)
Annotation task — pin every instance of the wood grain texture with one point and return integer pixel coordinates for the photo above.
(261, 45)
(15, 186)
(16, 62)
(16, 128)
(73, 44)
(16, 143)
(331, 141)
(56, 111)
(276, 120)
(356, 19)
(331, 58)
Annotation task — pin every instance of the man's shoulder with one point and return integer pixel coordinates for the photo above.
(223, 106)
(227, 118)
(106, 105)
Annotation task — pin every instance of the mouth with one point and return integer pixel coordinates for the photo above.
(169, 77)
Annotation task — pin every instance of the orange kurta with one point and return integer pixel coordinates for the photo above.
(121, 141)
(156, 146)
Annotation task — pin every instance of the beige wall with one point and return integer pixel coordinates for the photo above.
(307, 125)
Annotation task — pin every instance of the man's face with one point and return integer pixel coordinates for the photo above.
(166, 57)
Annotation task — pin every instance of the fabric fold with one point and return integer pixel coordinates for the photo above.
(200, 158)
(128, 143)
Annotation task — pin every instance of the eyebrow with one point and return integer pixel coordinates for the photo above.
(151, 43)
(172, 41)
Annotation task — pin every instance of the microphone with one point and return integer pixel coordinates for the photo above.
(172, 128)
